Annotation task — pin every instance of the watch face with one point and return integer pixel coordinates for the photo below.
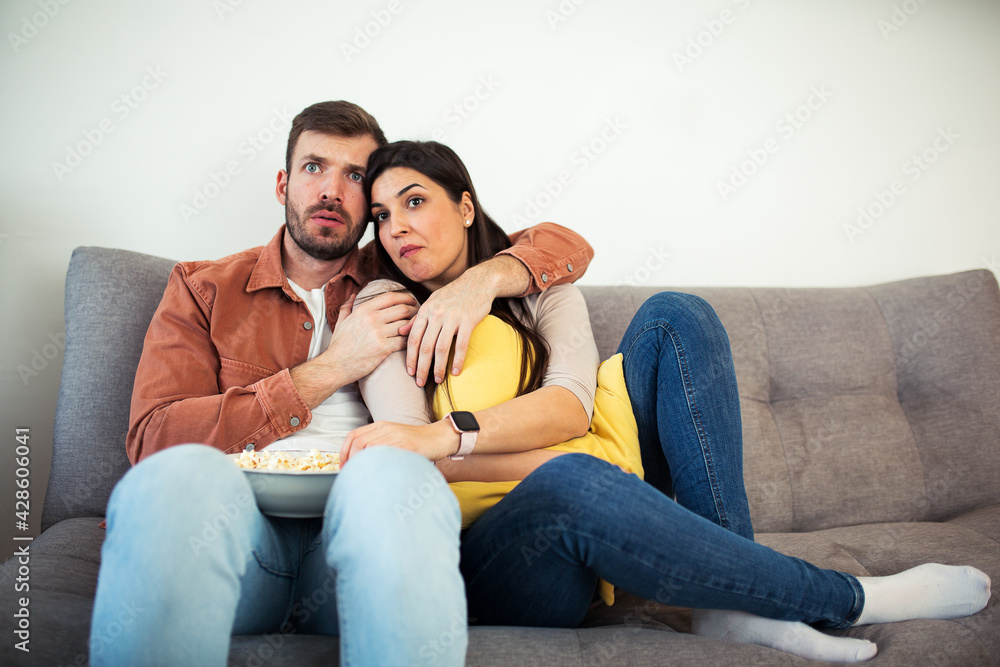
(465, 421)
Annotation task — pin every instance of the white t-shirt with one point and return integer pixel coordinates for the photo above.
(344, 410)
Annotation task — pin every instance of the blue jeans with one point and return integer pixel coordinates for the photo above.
(189, 560)
(535, 557)
(682, 384)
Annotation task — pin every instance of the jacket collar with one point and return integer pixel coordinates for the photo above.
(268, 272)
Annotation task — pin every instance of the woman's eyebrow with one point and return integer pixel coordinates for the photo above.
(411, 185)
(398, 194)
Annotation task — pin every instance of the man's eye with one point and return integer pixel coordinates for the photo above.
(355, 176)
(312, 168)
(414, 201)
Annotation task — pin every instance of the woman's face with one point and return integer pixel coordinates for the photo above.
(422, 229)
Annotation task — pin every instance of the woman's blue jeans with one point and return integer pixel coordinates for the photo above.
(682, 384)
(189, 560)
(535, 557)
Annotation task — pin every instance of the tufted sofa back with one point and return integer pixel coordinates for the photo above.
(859, 405)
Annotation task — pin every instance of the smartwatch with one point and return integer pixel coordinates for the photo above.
(467, 427)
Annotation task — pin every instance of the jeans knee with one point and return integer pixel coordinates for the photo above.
(195, 478)
(570, 485)
(392, 486)
(690, 319)
(678, 307)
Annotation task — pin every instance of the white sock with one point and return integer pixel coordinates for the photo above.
(926, 591)
(788, 636)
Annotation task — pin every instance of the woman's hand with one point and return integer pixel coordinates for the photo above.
(451, 313)
(435, 441)
(447, 316)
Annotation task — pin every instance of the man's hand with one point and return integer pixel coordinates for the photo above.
(363, 338)
(453, 311)
(435, 441)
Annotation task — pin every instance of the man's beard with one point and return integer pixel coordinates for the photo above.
(335, 243)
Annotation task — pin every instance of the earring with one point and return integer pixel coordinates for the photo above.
(468, 223)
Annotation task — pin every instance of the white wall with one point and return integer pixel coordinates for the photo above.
(671, 97)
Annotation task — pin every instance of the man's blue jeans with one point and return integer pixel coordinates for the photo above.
(535, 557)
(189, 560)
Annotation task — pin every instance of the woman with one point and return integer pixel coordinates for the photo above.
(549, 509)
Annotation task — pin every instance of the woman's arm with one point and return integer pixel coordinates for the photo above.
(495, 467)
(388, 391)
(393, 397)
(557, 412)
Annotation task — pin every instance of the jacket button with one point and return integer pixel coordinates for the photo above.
(569, 267)
(545, 278)
(307, 325)
(294, 421)
(249, 447)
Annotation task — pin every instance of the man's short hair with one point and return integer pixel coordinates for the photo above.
(340, 119)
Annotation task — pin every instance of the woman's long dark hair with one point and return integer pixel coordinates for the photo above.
(486, 239)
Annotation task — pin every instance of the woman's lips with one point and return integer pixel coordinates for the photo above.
(408, 250)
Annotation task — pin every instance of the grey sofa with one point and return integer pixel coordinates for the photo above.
(871, 421)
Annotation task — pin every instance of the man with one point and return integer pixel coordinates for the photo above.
(262, 349)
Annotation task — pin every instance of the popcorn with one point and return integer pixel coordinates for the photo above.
(312, 461)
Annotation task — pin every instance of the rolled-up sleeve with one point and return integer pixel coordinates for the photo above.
(553, 255)
(176, 397)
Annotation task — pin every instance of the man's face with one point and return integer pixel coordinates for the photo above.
(324, 198)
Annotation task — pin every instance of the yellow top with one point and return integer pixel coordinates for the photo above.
(489, 377)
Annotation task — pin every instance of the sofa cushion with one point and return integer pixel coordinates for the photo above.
(62, 578)
(944, 333)
(633, 632)
(859, 405)
(110, 298)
